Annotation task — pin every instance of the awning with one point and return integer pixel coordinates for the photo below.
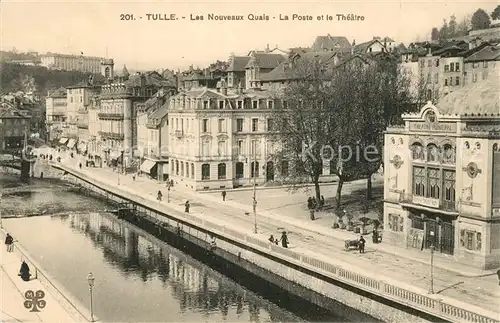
(82, 146)
(147, 165)
(62, 141)
(71, 143)
(115, 154)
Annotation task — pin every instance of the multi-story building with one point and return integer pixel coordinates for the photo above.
(218, 139)
(78, 99)
(443, 177)
(236, 71)
(14, 127)
(259, 64)
(87, 64)
(118, 113)
(430, 75)
(55, 115)
(482, 64)
(152, 135)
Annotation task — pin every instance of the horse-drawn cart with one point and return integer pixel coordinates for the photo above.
(351, 244)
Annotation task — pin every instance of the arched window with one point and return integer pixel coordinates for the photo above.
(221, 171)
(173, 166)
(448, 154)
(255, 169)
(417, 151)
(187, 169)
(434, 183)
(192, 170)
(205, 172)
(240, 169)
(419, 181)
(176, 167)
(182, 168)
(432, 153)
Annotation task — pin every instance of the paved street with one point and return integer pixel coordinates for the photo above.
(408, 266)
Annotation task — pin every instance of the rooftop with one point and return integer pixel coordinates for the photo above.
(265, 60)
(237, 63)
(488, 53)
(59, 93)
(330, 43)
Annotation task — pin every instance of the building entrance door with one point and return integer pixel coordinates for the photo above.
(270, 171)
(437, 233)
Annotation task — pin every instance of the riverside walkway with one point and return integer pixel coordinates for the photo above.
(13, 289)
(473, 290)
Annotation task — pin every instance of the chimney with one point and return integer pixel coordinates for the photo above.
(267, 48)
(429, 52)
(240, 89)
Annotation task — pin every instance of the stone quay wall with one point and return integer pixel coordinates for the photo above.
(390, 301)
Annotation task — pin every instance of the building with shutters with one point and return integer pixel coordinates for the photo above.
(55, 115)
(442, 177)
(218, 138)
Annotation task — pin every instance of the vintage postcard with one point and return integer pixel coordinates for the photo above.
(250, 161)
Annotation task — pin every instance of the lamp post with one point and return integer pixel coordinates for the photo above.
(431, 233)
(254, 203)
(90, 280)
(168, 192)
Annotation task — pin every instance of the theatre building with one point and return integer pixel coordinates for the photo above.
(442, 177)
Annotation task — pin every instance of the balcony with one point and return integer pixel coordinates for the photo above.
(179, 134)
(428, 202)
(111, 135)
(110, 116)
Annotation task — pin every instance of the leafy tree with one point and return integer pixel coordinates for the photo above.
(495, 14)
(452, 27)
(443, 32)
(435, 34)
(480, 20)
(463, 27)
(337, 116)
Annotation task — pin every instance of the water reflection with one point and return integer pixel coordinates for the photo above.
(149, 277)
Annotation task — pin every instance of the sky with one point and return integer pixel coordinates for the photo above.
(95, 27)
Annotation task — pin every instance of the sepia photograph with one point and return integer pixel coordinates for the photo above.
(249, 161)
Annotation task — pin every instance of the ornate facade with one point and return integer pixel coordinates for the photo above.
(442, 178)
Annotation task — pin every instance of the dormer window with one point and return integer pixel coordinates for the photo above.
(240, 104)
(205, 104)
(221, 105)
(430, 117)
(270, 104)
(255, 104)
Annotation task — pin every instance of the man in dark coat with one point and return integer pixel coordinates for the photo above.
(24, 272)
(284, 240)
(361, 244)
(9, 242)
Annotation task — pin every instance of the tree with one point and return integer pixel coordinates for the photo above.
(495, 14)
(452, 27)
(463, 27)
(435, 34)
(337, 116)
(443, 32)
(480, 20)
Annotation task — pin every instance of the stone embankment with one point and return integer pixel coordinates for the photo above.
(310, 275)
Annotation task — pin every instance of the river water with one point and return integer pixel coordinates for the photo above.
(138, 278)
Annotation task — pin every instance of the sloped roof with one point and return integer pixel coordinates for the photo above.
(480, 97)
(150, 79)
(330, 43)
(7, 111)
(59, 93)
(237, 63)
(280, 72)
(489, 53)
(363, 47)
(265, 60)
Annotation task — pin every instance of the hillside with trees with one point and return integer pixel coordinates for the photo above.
(16, 77)
(452, 28)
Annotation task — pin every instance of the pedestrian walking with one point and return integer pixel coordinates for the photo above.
(159, 196)
(133, 177)
(309, 203)
(186, 207)
(284, 240)
(361, 244)
(224, 195)
(80, 165)
(24, 271)
(9, 242)
(321, 202)
(271, 239)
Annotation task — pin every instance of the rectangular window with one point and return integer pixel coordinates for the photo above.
(485, 64)
(205, 104)
(270, 124)
(457, 67)
(221, 125)
(239, 125)
(396, 222)
(204, 125)
(452, 67)
(434, 183)
(241, 151)
(221, 105)
(447, 68)
(240, 104)
(255, 149)
(255, 124)
(419, 181)
(474, 77)
(445, 82)
(269, 104)
(255, 104)
(221, 148)
(429, 63)
(457, 80)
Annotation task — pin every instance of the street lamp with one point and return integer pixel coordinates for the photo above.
(90, 280)
(431, 233)
(254, 203)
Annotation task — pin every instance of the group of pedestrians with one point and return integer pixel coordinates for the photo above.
(284, 240)
(187, 205)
